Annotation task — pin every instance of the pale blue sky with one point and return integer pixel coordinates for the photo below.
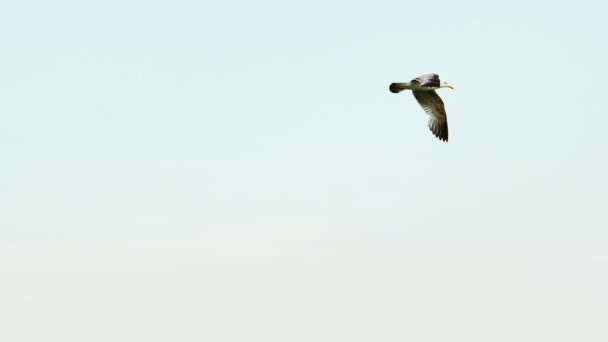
(238, 171)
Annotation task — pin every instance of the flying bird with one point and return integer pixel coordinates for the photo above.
(423, 87)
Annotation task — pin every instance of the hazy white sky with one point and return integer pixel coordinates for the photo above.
(238, 171)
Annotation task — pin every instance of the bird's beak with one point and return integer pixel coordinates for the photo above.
(450, 86)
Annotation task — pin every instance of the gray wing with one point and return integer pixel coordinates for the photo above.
(428, 80)
(433, 106)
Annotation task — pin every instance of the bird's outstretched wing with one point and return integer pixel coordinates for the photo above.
(428, 80)
(433, 106)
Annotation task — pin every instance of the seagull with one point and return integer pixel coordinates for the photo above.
(423, 87)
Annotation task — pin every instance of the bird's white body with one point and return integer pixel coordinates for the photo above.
(416, 86)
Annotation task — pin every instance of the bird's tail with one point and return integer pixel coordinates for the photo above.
(397, 87)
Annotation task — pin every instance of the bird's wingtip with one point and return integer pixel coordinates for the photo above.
(439, 130)
(397, 87)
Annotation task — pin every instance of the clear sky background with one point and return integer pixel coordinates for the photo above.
(238, 171)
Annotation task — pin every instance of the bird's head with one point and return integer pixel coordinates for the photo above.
(446, 85)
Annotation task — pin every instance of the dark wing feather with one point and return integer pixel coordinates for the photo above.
(428, 80)
(433, 106)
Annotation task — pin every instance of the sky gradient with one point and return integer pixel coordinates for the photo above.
(239, 171)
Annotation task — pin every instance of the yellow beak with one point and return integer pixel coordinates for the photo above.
(450, 86)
